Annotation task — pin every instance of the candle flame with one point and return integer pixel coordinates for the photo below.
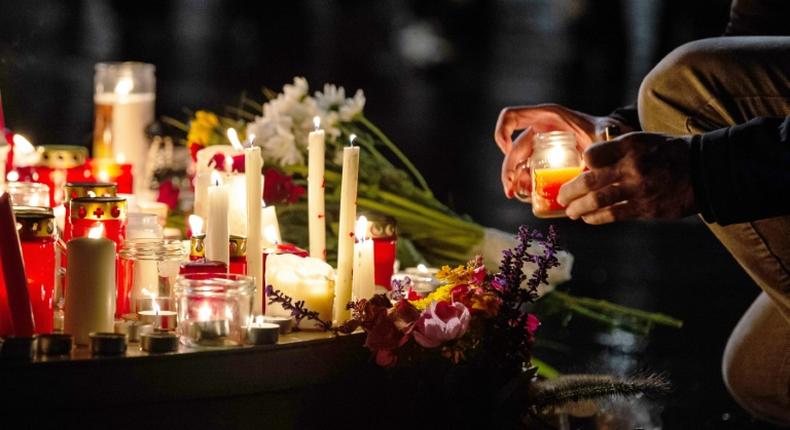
(12, 176)
(317, 122)
(151, 295)
(156, 307)
(96, 232)
(204, 313)
(228, 312)
(361, 228)
(270, 234)
(250, 139)
(233, 137)
(259, 320)
(59, 211)
(124, 86)
(216, 178)
(103, 175)
(422, 268)
(22, 145)
(120, 158)
(556, 156)
(196, 224)
(351, 139)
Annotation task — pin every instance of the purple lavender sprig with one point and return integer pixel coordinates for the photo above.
(297, 309)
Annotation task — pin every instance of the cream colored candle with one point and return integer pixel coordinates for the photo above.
(90, 296)
(345, 245)
(217, 234)
(270, 228)
(253, 164)
(315, 191)
(364, 279)
(237, 210)
(309, 279)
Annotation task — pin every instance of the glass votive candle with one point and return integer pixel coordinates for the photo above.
(73, 190)
(28, 193)
(238, 255)
(384, 232)
(555, 160)
(213, 308)
(149, 268)
(86, 212)
(57, 165)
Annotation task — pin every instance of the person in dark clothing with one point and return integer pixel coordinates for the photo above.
(710, 134)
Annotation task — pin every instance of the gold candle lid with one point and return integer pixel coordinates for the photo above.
(34, 222)
(197, 246)
(61, 156)
(238, 246)
(98, 208)
(381, 226)
(89, 189)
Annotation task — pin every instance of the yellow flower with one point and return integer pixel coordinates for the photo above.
(459, 275)
(202, 127)
(440, 294)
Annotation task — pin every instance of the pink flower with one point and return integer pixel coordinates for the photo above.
(441, 322)
(532, 325)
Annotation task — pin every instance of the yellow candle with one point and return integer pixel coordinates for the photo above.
(547, 183)
(345, 240)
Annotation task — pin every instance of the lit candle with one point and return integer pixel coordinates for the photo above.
(253, 166)
(345, 241)
(309, 279)
(90, 296)
(554, 161)
(315, 191)
(217, 234)
(364, 277)
(158, 317)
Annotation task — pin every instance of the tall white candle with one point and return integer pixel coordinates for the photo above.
(252, 171)
(345, 240)
(315, 191)
(364, 279)
(217, 234)
(237, 210)
(90, 298)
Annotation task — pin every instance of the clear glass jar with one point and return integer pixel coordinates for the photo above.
(213, 309)
(28, 193)
(149, 268)
(555, 160)
(124, 97)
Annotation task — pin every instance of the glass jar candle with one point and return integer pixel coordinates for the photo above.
(28, 193)
(38, 236)
(73, 190)
(213, 308)
(87, 212)
(384, 232)
(555, 160)
(55, 166)
(238, 254)
(124, 96)
(149, 268)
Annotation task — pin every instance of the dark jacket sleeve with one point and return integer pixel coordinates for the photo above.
(742, 173)
(627, 115)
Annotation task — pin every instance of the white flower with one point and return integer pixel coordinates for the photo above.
(333, 101)
(273, 133)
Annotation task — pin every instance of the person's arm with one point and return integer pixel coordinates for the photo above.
(742, 173)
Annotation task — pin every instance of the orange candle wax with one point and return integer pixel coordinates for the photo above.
(547, 183)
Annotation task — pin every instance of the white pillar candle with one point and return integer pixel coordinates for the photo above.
(315, 191)
(270, 228)
(364, 286)
(253, 164)
(309, 279)
(237, 210)
(345, 240)
(90, 297)
(202, 182)
(217, 234)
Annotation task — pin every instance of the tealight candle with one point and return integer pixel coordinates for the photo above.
(262, 333)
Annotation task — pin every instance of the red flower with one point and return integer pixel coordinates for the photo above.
(193, 150)
(280, 188)
(383, 336)
(168, 194)
(532, 325)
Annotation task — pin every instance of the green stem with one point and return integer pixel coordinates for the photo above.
(611, 308)
(544, 369)
(391, 146)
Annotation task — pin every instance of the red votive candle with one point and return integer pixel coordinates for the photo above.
(203, 266)
(238, 255)
(37, 234)
(73, 190)
(15, 281)
(109, 170)
(384, 232)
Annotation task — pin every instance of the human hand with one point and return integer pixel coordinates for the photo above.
(540, 119)
(636, 176)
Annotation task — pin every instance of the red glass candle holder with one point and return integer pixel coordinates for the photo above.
(38, 234)
(108, 170)
(238, 255)
(203, 266)
(57, 165)
(73, 190)
(384, 232)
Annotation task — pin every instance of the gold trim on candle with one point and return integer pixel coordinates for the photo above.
(34, 222)
(72, 190)
(98, 208)
(238, 245)
(197, 246)
(380, 226)
(61, 156)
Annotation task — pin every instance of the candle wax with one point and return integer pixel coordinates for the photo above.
(547, 183)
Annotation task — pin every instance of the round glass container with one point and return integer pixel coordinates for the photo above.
(555, 160)
(213, 308)
(149, 268)
(28, 193)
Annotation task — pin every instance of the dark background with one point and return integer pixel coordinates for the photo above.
(436, 74)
